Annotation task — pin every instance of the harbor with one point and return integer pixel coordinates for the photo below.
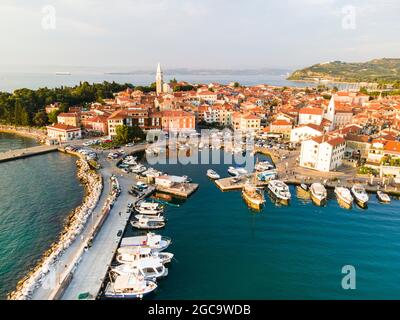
(27, 152)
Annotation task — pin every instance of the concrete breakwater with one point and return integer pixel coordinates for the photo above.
(74, 225)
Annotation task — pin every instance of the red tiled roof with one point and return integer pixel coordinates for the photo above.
(311, 110)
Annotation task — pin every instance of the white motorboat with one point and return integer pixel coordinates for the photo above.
(158, 217)
(280, 190)
(147, 224)
(131, 254)
(149, 268)
(151, 172)
(237, 171)
(151, 240)
(318, 193)
(383, 197)
(128, 286)
(139, 168)
(344, 196)
(263, 166)
(360, 195)
(149, 208)
(212, 174)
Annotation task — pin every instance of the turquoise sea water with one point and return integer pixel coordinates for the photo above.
(225, 251)
(36, 195)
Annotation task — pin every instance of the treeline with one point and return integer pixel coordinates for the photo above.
(25, 107)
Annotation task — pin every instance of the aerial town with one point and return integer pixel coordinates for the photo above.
(340, 127)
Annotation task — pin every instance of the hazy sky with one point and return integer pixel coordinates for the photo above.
(197, 33)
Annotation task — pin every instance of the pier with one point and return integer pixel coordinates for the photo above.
(27, 152)
(227, 184)
(181, 190)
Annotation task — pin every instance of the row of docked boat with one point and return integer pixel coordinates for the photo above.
(150, 216)
(141, 262)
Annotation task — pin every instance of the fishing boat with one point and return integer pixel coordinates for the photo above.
(344, 196)
(158, 217)
(128, 286)
(145, 223)
(238, 171)
(360, 195)
(150, 268)
(151, 240)
(279, 190)
(212, 174)
(131, 254)
(318, 194)
(263, 166)
(149, 208)
(382, 196)
(253, 196)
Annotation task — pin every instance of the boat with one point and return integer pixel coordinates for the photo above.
(138, 168)
(131, 254)
(129, 286)
(318, 193)
(147, 224)
(344, 196)
(280, 190)
(158, 217)
(382, 196)
(151, 240)
(253, 196)
(150, 268)
(263, 166)
(238, 171)
(304, 187)
(140, 186)
(149, 208)
(212, 174)
(267, 175)
(360, 195)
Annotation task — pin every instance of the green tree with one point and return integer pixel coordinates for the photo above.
(52, 116)
(40, 119)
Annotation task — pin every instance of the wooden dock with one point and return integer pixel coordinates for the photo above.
(227, 184)
(182, 190)
(27, 152)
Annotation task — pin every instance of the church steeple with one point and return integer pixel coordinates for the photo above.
(159, 79)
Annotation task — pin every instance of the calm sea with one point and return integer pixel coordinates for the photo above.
(225, 251)
(36, 195)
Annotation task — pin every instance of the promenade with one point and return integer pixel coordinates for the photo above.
(27, 152)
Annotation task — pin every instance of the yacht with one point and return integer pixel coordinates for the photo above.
(382, 196)
(318, 193)
(131, 254)
(267, 175)
(253, 196)
(237, 171)
(263, 166)
(149, 208)
(151, 240)
(360, 195)
(147, 224)
(212, 174)
(129, 286)
(150, 268)
(280, 190)
(344, 196)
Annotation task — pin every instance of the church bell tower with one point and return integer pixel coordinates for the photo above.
(159, 79)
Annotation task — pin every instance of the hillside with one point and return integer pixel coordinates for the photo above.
(377, 70)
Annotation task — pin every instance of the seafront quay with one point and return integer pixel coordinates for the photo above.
(44, 274)
(27, 152)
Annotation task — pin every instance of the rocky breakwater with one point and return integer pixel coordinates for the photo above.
(74, 225)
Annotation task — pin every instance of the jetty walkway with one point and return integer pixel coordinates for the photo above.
(27, 152)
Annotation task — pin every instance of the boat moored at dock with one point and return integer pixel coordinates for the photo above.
(145, 223)
(360, 195)
(149, 208)
(129, 286)
(344, 196)
(150, 268)
(383, 197)
(238, 171)
(279, 190)
(131, 254)
(151, 240)
(253, 196)
(319, 194)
